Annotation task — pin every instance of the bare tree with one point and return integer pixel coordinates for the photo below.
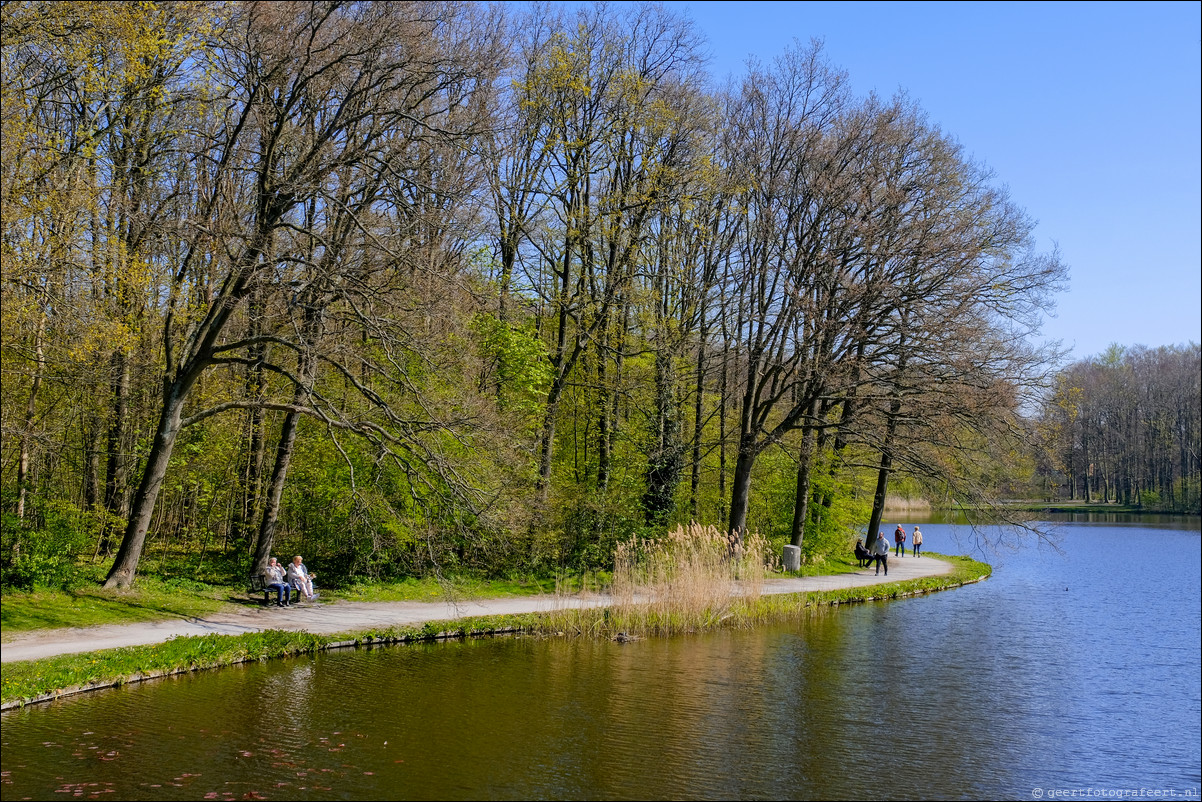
(782, 123)
(307, 92)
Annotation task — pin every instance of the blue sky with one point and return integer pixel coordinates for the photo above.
(1088, 112)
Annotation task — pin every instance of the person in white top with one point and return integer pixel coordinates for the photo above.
(301, 579)
(916, 540)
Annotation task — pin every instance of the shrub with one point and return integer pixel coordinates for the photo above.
(44, 549)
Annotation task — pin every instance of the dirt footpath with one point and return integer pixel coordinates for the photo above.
(341, 616)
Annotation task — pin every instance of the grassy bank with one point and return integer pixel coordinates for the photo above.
(153, 600)
(41, 680)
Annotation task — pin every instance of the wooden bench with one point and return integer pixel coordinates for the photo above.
(258, 584)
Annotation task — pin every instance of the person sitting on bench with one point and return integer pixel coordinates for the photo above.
(301, 579)
(863, 558)
(273, 579)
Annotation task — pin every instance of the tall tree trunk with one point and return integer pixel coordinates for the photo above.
(614, 400)
(275, 492)
(508, 258)
(116, 481)
(818, 510)
(547, 440)
(125, 567)
(741, 484)
(252, 474)
(664, 463)
(604, 433)
(1088, 478)
(91, 465)
(698, 409)
(847, 415)
(882, 477)
(804, 465)
(722, 405)
(31, 408)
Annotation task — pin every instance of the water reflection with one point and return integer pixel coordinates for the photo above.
(1070, 669)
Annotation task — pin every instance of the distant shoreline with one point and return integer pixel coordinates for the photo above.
(910, 507)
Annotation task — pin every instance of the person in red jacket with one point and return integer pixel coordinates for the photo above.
(899, 537)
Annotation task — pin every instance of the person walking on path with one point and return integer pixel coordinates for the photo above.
(899, 537)
(880, 550)
(917, 540)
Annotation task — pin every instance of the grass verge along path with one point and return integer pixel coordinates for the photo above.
(157, 600)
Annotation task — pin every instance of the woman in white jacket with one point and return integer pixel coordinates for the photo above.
(301, 579)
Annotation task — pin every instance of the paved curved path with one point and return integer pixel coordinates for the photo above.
(341, 616)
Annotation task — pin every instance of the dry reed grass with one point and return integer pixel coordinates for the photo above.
(690, 580)
(893, 504)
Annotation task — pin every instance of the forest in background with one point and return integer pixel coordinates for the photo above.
(415, 288)
(1123, 427)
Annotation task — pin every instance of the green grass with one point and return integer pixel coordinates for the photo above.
(828, 567)
(433, 588)
(31, 679)
(151, 600)
(35, 679)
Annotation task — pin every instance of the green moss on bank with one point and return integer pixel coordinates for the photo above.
(39, 680)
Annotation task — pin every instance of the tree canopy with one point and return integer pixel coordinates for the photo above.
(427, 285)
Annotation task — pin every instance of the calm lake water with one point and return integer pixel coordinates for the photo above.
(1076, 669)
